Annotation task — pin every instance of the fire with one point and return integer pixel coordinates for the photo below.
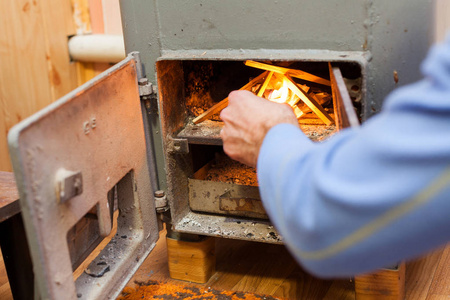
(276, 84)
(280, 95)
(276, 89)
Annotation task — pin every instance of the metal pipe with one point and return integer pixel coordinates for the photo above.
(97, 48)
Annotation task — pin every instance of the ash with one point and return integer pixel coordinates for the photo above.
(224, 169)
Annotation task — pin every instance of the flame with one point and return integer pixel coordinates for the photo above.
(278, 91)
(281, 94)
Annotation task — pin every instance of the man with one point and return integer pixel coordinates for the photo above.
(366, 198)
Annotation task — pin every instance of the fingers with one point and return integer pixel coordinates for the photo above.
(233, 144)
(238, 102)
(227, 144)
(247, 119)
(224, 114)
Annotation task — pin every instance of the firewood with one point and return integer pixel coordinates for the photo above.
(291, 72)
(312, 103)
(224, 103)
(304, 87)
(264, 86)
(321, 98)
(298, 113)
(255, 87)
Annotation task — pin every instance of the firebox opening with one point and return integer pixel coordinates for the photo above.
(189, 90)
(207, 83)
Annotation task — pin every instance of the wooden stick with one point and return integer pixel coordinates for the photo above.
(224, 103)
(319, 98)
(315, 107)
(298, 113)
(305, 88)
(291, 72)
(264, 86)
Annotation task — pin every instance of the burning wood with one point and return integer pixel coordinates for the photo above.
(312, 103)
(298, 112)
(276, 84)
(264, 86)
(291, 72)
(321, 98)
(224, 103)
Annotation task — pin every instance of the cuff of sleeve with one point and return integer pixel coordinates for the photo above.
(283, 144)
(279, 141)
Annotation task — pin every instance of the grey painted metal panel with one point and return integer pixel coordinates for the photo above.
(396, 29)
(255, 24)
(400, 35)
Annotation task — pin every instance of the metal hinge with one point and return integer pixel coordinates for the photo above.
(161, 204)
(146, 89)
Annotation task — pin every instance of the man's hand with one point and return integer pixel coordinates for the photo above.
(247, 119)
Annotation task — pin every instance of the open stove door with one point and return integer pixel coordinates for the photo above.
(84, 158)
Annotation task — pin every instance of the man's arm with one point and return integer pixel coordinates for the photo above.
(367, 197)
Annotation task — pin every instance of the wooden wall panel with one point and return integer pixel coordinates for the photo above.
(111, 16)
(23, 66)
(81, 16)
(35, 68)
(96, 13)
(59, 25)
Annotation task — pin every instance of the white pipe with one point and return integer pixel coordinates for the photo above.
(97, 48)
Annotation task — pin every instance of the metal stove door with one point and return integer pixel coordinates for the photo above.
(345, 114)
(78, 159)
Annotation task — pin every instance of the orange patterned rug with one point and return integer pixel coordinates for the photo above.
(168, 291)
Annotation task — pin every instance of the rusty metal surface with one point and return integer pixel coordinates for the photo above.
(178, 145)
(229, 204)
(96, 130)
(240, 228)
(205, 133)
(345, 114)
(225, 198)
(9, 196)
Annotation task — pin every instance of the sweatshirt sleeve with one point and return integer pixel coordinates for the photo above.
(369, 197)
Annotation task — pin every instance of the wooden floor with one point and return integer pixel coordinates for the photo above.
(270, 270)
